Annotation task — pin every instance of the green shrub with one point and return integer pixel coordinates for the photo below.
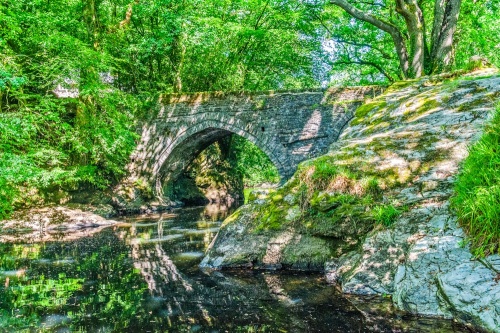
(477, 191)
(50, 144)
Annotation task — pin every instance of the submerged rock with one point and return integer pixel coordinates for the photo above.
(51, 223)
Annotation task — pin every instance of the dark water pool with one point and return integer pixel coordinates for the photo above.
(144, 277)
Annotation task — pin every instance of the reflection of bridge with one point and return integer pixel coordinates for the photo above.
(209, 301)
(288, 126)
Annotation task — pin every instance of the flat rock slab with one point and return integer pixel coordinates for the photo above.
(51, 223)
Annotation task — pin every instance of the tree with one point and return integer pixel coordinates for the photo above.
(478, 32)
(418, 51)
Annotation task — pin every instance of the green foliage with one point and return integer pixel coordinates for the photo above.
(119, 56)
(477, 191)
(62, 144)
(211, 45)
(252, 163)
(362, 54)
(478, 32)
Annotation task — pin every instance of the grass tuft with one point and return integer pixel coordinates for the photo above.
(386, 214)
(477, 192)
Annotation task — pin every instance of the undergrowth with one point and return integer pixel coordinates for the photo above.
(329, 195)
(477, 191)
(387, 214)
(50, 147)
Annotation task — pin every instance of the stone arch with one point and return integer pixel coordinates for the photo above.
(190, 141)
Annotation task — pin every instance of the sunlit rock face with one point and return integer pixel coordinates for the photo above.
(421, 136)
(411, 140)
(288, 127)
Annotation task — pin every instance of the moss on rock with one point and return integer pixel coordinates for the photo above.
(385, 164)
(307, 253)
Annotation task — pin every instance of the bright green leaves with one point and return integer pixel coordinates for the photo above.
(253, 164)
(478, 32)
(9, 81)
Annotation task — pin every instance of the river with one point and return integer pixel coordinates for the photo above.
(144, 277)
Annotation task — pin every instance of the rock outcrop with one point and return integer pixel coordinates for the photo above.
(375, 210)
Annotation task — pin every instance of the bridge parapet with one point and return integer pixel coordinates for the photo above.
(289, 126)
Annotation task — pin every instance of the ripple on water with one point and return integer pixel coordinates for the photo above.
(190, 255)
(55, 320)
(13, 273)
(167, 238)
(199, 231)
(145, 225)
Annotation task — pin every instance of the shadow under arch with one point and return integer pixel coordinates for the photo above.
(190, 142)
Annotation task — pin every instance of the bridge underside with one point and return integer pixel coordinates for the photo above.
(186, 151)
(184, 154)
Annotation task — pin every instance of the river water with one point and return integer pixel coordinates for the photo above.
(144, 277)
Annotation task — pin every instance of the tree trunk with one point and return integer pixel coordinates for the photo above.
(414, 19)
(440, 56)
(90, 15)
(177, 58)
(445, 25)
(439, 9)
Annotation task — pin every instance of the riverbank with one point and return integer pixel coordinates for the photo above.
(55, 223)
(374, 212)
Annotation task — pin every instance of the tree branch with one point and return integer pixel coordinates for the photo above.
(390, 28)
(344, 41)
(372, 4)
(366, 63)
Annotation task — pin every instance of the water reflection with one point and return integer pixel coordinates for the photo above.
(144, 277)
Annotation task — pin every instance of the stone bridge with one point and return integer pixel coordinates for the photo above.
(289, 127)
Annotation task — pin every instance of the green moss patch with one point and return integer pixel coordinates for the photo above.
(368, 109)
(423, 106)
(307, 253)
(271, 217)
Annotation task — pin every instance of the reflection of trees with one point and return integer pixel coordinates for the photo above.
(82, 285)
(180, 297)
(103, 284)
(53, 235)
